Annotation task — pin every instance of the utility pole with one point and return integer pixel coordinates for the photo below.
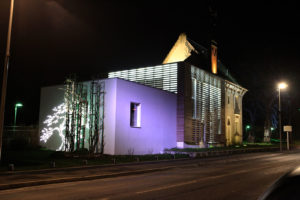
(281, 85)
(5, 73)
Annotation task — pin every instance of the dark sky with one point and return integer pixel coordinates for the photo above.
(257, 41)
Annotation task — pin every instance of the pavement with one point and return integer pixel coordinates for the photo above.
(19, 179)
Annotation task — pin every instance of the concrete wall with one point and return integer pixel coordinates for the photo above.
(110, 115)
(158, 119)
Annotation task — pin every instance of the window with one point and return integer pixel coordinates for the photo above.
(236, 105)
(135, 115)
(194, 97)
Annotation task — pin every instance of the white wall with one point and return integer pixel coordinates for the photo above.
(110, 115)
(51, 97)
(158, 119)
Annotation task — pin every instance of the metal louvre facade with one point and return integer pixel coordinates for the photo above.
(162, 76)
(207, 116)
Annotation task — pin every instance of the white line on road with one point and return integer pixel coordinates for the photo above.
(167, 187)
(202, 179)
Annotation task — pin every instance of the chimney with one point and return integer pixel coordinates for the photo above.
(214, 59)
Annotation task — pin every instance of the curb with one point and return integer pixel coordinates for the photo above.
(84, 178)
(206, 154)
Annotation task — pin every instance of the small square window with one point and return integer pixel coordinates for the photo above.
(135, 115)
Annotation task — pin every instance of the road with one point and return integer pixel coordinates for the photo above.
(237, 177)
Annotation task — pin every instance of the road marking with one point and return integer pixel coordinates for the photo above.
(167, 187)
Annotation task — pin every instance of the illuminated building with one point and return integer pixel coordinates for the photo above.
(209, 105)
(148, 109)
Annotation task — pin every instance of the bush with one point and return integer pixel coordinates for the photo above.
(57, 154)
(19, 144)
(82, 151)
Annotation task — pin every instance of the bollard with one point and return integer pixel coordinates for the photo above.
(174, 156)
(84, 162)
(114, 161)
(137, 159)
(52, 164)
(156, 157)
(11, 167)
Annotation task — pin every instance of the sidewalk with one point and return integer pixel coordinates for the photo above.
(18, 179)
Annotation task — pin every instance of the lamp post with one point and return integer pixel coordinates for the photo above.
(281, 85)
(5, 72)
(248, 127)
(17, 105)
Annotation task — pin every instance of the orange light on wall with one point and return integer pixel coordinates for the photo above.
(214, 60)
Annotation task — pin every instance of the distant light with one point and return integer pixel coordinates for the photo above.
(248, 127)
(272, 128)
(282, 85)
(19, 105)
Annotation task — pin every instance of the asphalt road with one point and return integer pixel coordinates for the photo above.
(238, 177)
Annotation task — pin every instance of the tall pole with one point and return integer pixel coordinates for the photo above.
(279, 110)
(5, 73)
(287, 141)
(15, 121)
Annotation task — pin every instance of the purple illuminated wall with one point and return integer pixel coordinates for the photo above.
(158, 119)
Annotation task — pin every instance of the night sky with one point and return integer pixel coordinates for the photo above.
(258, 42)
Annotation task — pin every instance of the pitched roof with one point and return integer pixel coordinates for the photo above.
(185, 49)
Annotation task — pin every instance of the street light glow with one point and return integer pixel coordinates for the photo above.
(282, 85)
(19, 105)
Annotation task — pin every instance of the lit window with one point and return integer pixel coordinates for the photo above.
(135, 114)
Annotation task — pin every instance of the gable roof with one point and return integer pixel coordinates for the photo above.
(185, 49)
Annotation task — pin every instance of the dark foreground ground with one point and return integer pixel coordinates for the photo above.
(233, 177)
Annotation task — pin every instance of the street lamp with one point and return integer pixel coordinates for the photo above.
(17, 105)
(248, 127)
(281, 85)
(5, 72)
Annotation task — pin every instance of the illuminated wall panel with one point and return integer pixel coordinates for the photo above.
(206, 98)
(162, 76)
